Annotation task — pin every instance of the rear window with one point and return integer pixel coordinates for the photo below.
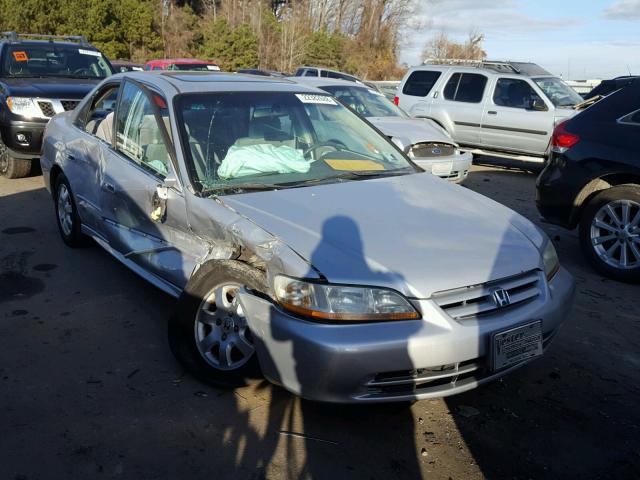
(465, 87)
(420, 83)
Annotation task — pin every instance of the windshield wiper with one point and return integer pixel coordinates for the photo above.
(359, 175)
(239, 187)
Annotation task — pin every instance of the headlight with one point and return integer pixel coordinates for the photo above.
(341, 302)
(24, 106)
(550, 259)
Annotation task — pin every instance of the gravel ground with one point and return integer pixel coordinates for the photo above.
(89, 388)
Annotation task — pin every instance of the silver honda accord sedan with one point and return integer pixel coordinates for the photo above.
(301, 244)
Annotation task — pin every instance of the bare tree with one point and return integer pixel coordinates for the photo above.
(441, 47)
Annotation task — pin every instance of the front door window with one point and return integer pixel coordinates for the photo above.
(138, 134)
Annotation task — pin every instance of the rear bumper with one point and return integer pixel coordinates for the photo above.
(23, 138)
(391, 361)
(556, 192)
(460, 166)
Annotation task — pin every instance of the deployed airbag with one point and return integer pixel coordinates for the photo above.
(247, 160)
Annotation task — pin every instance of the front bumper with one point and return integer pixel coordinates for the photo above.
(391, 361)
(32, 131)
(454, 168)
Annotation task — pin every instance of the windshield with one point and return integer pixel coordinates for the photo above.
(265, 140)
(365, 101)
(53, 60)
(560, 94)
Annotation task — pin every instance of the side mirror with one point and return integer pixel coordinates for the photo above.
(539, 105)
(160, 197)
(402, 143)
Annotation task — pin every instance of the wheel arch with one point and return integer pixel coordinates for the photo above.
(597, 185)
(56, 170)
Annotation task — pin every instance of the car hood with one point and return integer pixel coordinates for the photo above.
(56, 88)
(416, 130)
(414, 233)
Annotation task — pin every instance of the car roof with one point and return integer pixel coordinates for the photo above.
(523, 69)
(184, 61)
(48, 42)
(194, 82)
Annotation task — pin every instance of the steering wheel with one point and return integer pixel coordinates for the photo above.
(332, 143)
(81, 71)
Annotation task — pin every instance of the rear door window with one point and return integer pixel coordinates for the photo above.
(632, 118)
(465, 87)
(420, 83)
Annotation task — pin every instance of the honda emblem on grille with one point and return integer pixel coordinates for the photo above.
(436, 151)
(501, 298)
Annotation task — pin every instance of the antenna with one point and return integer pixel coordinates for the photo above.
(629, 70)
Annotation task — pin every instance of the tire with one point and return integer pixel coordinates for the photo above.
(11, 167)
(67, 218)
(209, 318)
(609, 240)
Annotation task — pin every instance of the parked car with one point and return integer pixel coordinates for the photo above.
(263, 73)
(609, 86)
(299, 241)
(389, 88)
(190, 64)
(325, 73)
(120, 66)
(425, 142)
(40, 75)
(592, 181)
(501, 107)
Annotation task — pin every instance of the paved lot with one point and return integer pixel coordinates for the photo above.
(89, 388)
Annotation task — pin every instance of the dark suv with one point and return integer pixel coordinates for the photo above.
(592, 180)
(40, 76)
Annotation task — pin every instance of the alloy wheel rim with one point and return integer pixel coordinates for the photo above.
(221, 332)
(615, 234)
(4, 158)
(65, 217)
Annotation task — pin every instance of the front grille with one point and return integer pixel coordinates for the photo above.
(432, 150)
(47, 108)
(477, 300)
(69, 104)
(435, 380)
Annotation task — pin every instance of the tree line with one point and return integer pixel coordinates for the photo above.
(361, 37)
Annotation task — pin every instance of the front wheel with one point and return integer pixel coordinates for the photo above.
(210, 334)
(12, 167)
(610, 232)
(67, 214)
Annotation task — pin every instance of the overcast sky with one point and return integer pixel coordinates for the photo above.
(577, 39)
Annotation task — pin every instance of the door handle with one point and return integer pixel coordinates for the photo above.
(109, 188)
(492, 112)
(70, 157)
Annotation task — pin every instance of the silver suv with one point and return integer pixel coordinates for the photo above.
(504, 107)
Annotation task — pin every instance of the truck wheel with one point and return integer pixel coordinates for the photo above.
(12, 167)
(610, 232)
(67, 214)
(209, 333)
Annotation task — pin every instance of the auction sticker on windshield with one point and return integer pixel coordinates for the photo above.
(516, 345)
(20, 56)
(317, 99)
